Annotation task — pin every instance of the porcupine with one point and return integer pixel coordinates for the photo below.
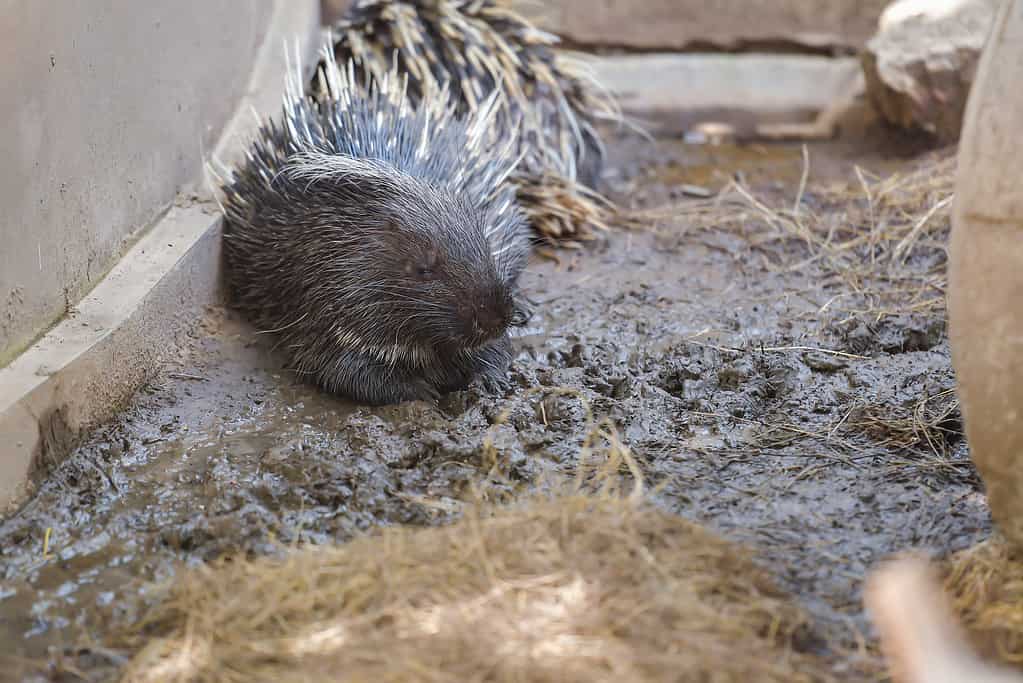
(378, 242)
(476, 45)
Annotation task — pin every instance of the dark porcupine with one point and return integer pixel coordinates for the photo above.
(378, 242)
(478, 46)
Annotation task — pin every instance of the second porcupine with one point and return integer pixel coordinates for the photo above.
(553, 103)
(378, 242)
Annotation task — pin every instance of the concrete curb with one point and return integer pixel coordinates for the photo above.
(116, 338)
(665, 85)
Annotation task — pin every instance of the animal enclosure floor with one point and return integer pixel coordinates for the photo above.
(752, 402)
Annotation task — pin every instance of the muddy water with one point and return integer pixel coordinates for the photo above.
(693, 347)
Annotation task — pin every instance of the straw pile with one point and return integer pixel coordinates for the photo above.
(881, 242)
(986, 586)
(575, 588)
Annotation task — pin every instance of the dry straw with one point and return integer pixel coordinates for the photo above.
(592, 584)
(882, 241)
(986, 585)
(571, 589)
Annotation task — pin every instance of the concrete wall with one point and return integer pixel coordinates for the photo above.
(103, 137)
(107, 106)
(665, 25)
(683, 24)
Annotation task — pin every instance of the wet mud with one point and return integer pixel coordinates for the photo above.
(825, 441)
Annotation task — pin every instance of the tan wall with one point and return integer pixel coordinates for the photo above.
(105, 109)
(680, 24)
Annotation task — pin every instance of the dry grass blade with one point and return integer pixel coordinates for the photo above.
(931, 426)
(884, 239)
(986, 584)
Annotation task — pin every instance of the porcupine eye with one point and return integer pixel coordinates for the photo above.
(423, 267)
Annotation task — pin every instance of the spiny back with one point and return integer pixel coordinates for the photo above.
(371, 119)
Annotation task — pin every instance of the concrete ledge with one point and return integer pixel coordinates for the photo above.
(84, 370)
(756, 83)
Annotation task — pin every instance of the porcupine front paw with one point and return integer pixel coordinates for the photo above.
(421, 390)
(493, 363)
(496, 384)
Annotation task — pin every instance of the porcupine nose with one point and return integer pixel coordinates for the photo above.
(487, 317)
(490, 322)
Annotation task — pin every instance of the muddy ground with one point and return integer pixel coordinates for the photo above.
(700, 351)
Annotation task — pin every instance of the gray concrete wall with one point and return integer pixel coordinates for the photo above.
(107, 107)
(110, 130)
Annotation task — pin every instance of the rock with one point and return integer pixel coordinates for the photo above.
(823, 362)
(921, 64)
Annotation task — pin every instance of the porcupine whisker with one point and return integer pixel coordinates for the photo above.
(409, 299)
(395, 291)
(284, 327)
(410, 318)
(429, 314)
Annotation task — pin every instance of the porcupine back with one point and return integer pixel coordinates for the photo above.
(475, 45)
(378, 242)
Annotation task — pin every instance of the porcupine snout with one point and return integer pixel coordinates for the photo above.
(486, 317)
